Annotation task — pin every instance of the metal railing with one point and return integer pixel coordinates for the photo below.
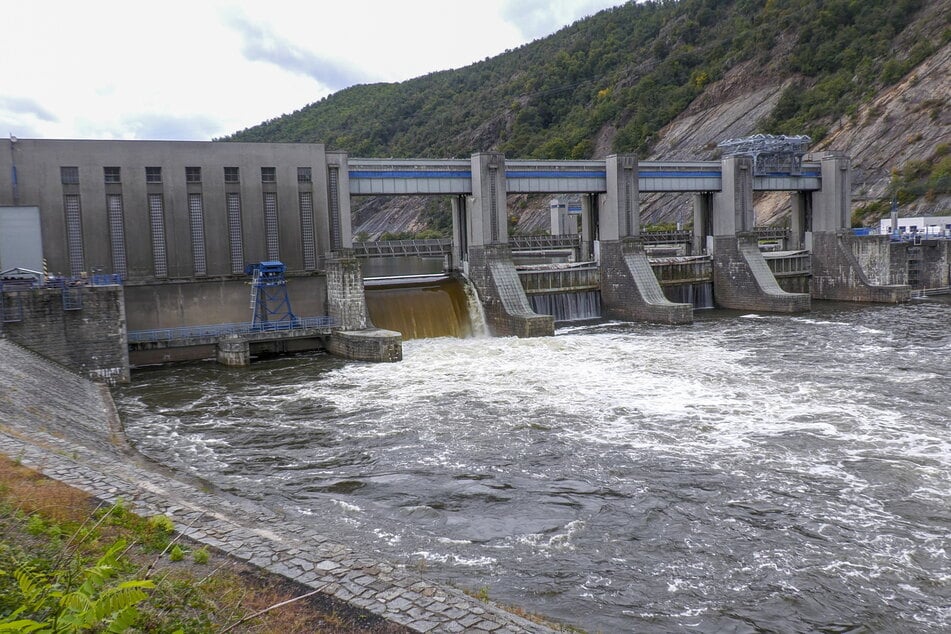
(396, 248)
(536, 243)
(220, 330)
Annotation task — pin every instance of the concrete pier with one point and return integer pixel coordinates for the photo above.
(491, 270)
(234, 351)
(836, 272)
(838, 275)
(741, 277)
(629, 288)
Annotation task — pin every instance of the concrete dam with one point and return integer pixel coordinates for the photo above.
(706, 471)
(178, 224)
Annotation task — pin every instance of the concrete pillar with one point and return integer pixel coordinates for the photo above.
(733, 204)
(490, 267)
(488, 218)
(832, 204)
(620, 216)
(741, 277)
(589, 211)
(836, 272)
(459, 233)
(800, 219)
(346, 302)
(338, 202)
(629, 288)
(234, 351)
(702, 222)
(562, 222)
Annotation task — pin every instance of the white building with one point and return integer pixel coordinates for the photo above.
(923, 225)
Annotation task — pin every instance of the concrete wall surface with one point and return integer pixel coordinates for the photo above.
(205, 225)
(219, 301)
(838, 275)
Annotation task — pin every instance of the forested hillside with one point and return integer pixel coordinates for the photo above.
(668, 78)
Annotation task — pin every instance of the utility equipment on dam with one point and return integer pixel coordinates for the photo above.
(270, 304)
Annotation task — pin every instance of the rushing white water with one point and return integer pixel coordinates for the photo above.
(746, 473)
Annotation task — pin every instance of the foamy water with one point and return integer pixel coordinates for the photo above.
(779, 473)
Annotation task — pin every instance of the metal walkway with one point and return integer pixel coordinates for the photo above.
(193, 333)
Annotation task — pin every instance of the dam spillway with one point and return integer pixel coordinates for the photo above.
(422, 306)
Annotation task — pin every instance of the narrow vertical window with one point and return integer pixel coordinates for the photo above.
(333, 193)
(270, 226)
(303, 175)
(307, 230)
(234, 233)
(268, 175)
(196, 217)
(117, 234)
(74, 234)
(157, 223)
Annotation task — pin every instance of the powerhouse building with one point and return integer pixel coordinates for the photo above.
(177, 220)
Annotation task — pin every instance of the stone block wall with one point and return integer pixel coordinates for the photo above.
(879, 258)
(90, 340)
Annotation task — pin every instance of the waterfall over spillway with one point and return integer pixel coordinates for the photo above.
(700, 295)
(568, 306)
(422, 307)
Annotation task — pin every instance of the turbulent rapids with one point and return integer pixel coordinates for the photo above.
(744, 473)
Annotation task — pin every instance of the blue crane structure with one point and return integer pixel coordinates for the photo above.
(270, 305)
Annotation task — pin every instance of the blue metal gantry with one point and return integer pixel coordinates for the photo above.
(270, 305)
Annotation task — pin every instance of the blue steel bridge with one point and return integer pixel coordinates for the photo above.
(370, 177)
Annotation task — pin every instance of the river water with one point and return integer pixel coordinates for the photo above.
(747, 473)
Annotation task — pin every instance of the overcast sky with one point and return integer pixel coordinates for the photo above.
(198, 69)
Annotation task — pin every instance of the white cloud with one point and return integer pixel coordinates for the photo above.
(196, 69)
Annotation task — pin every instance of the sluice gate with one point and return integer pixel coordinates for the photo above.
(566, 292)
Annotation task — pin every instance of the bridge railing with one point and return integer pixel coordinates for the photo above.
(220, 330)
(537, 243)
(653, 237)
(771, 233)
(396, 248)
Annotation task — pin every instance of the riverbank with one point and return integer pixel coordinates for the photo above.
(66, 428)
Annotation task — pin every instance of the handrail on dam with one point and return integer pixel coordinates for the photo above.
(219, 330)
(394, 248)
